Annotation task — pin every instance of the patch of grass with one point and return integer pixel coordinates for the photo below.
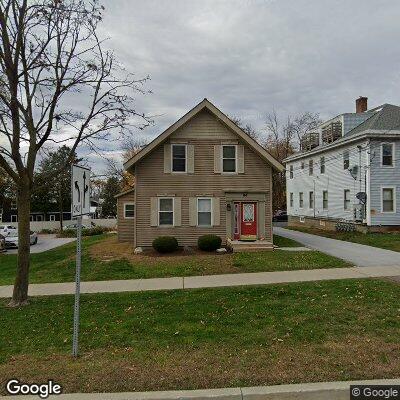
(317, 331)
(103, 258)
(388, 241)
(285, 242)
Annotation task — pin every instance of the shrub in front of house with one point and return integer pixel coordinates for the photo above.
(209, 242)
(165, 244)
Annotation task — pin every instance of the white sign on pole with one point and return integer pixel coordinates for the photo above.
(80, 190)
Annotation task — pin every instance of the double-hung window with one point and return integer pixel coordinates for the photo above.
(311, 199)
(301, 201)
(388, 200)
(346, 203)
(129, 210)
(325, 199)
(346, 160)
(165, 211)
(179, 157)
(311, 167)
(387, 154)
(322, 165)
(204, 212)
(228, 158)
(291, 199)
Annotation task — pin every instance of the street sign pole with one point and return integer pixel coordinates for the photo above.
(75, 339)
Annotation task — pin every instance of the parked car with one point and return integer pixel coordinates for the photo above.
(2, 244)
(85, 225)
(7, 229)
(280, 216)
(12, 240)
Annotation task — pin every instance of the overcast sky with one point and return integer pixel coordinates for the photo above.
(250, 56)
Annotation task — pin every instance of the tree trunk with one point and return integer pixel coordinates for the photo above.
(20, 293)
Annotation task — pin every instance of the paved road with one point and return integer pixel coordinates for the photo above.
(45, 242)
(358, 254)
(207, 281)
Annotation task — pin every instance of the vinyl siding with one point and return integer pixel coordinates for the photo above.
(384, 177)
(125, 226)
(204, 131)
(335, 181)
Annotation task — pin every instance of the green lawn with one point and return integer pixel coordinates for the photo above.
(317, 331)
(281, 241)
(105, 259)
(389, 241)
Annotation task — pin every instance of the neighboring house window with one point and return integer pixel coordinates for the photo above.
(13, 205)
(52, 217)
(39, 217)
(325, 199)
(291, 172)
(165, 211)
(302, 165)
(301, 201)
(129, 210)
(388, 200)
(291, 199)
(311, 199)
(346, 160)
(310, 167)
(204, 215)
(322, 165)
(178, 158)
(14, 218)
(346, 203)
(387, 154)
(228, 158)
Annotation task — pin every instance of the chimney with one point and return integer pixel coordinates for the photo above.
(361, 104)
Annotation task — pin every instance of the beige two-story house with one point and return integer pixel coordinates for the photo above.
(203, 175)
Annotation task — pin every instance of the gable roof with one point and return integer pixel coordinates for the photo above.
(124, 193)
(205, 104)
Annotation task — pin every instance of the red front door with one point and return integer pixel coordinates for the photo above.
(248, 225)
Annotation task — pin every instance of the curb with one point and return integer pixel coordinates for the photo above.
(304, 391)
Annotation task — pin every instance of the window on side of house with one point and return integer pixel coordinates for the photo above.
(178, 158)
(302, 165)
(291, 172)
(52, 217)
(228, 158)
(325, 199)
(129, 210)
(311, 167)
(291, 199)
(166, 211)
(387, 154)
(311, 200)
(346, 199)
(346, 160)
(322, 165)
(204, 212)
(388, 200)
(301, 200)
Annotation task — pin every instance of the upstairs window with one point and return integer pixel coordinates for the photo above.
(301, 200)
(291, 172)
(311, 167)
(228, 158)
(204, 212)
(178, 158)
(346, 160)
(302, 165)
(346, 204)
(322, 165)
(387, 154)
(165, 211)
(325, 199)
(388, 200)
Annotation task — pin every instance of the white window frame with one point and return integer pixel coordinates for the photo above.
(129, 203)
(301, 200)
(14, 218)
(345, 200)
(197, 212)
(158, 211)
(52, 217)
(236, 159)
(311, 167)
(346, 152)
(327, 199)
(172, 158)
(313, 199)
(393, 144)
(291, 200)
(322, 164)
(394, 199)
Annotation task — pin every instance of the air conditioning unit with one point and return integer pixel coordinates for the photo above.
(359, 212)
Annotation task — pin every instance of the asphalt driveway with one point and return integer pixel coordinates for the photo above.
(358, 254)
(45, 242)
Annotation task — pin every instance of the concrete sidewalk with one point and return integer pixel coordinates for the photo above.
(207, 281)
(305, 391)
(358, 254)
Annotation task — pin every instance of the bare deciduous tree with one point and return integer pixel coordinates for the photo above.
(50, 56)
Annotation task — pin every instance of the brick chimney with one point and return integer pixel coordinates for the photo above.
(361, 104)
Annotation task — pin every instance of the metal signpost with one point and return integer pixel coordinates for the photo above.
(80, 206)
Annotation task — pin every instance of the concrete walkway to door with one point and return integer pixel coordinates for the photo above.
(358, 254)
